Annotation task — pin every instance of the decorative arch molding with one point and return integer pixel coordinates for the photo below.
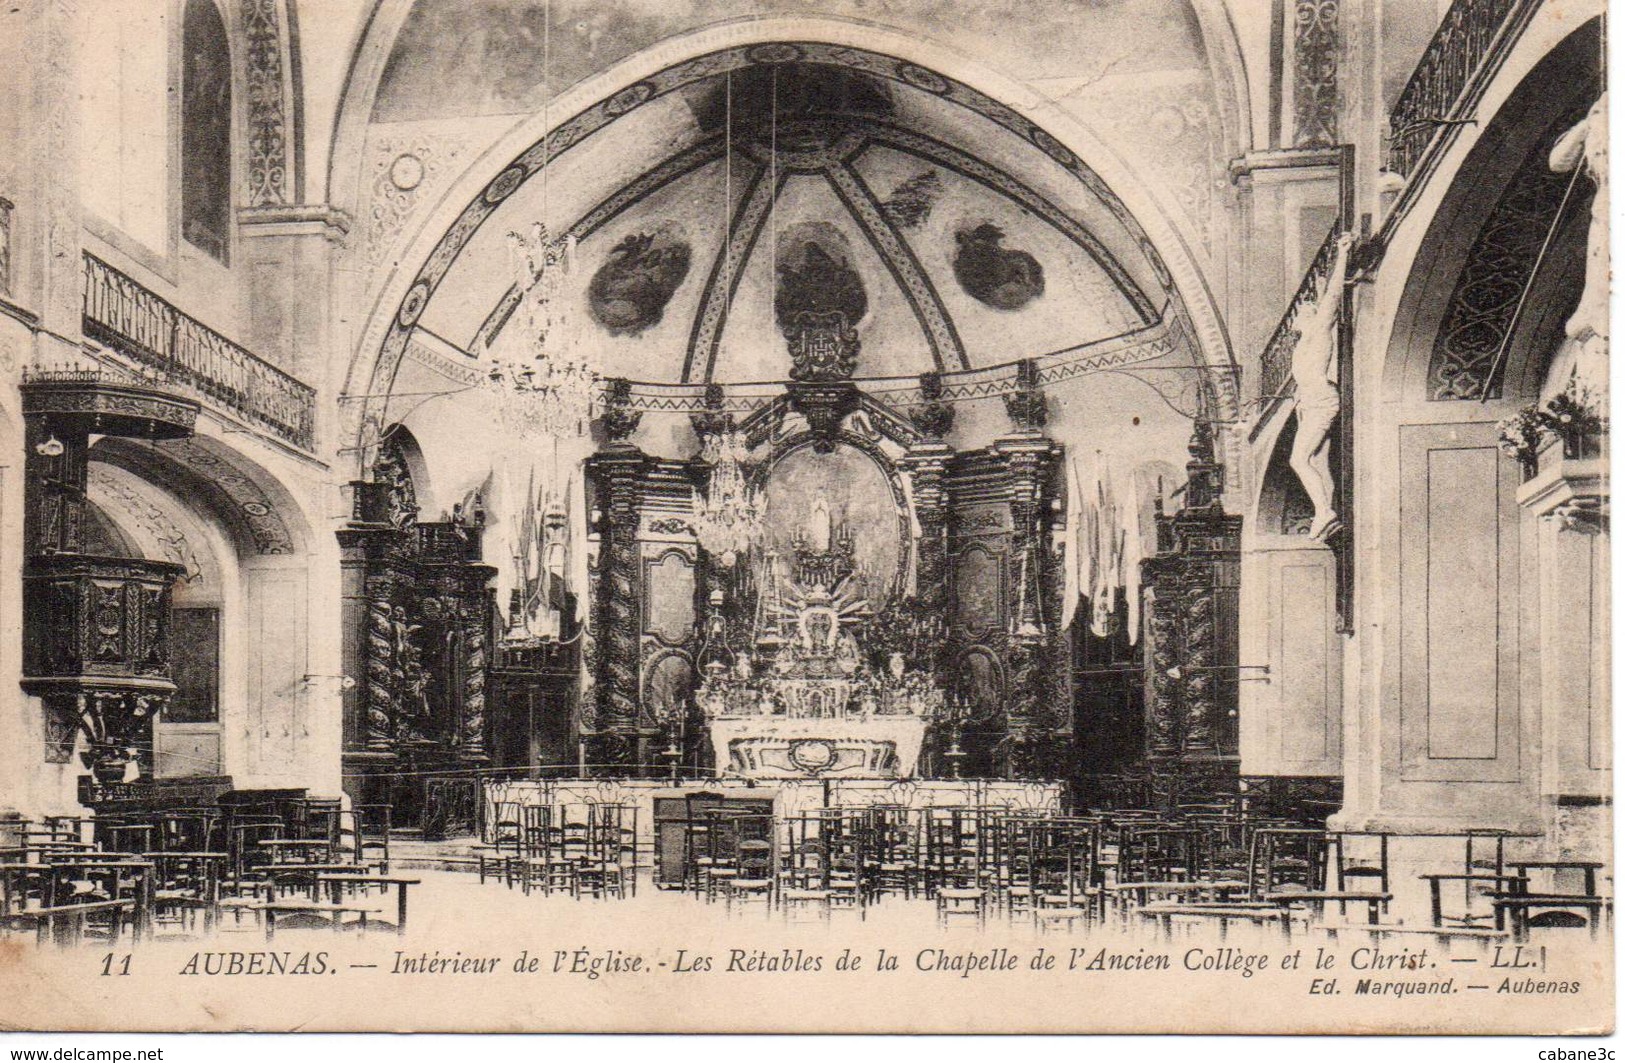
(598, 101)
(1222, 48)
(979, 674)
(1481, 315)
(872, 448)
(1453, 266)
(127, 500)
(259, 515)
(411, 455)
(669, 680)
(359, 94)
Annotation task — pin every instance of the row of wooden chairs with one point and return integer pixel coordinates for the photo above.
(109, 878)
(579, 850)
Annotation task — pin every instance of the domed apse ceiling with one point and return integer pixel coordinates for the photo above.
(950, 235)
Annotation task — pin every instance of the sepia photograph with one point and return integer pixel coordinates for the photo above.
(805, 516)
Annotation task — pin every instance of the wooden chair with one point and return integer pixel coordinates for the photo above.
(186, 890)
(536, 845)
(317, 819)
(754, 860)
(189, 831)
(956, 902)
(133, 834)
(370, 825)
(1287, 859)
(719, 865)
(245, 857)
(614, 833)
(1062, 857)
(1482, 873)
(1155, 851)
(951, 849)
(806, 860)
(894, 834)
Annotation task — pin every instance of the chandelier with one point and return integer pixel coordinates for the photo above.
(728, 513)
(550, 393)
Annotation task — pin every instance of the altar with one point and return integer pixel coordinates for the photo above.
(808, 701)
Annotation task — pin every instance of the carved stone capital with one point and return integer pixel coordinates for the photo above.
(1573, 492)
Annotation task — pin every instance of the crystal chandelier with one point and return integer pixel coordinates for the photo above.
(552, 392)
(728, 512)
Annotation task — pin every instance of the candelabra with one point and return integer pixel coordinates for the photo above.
(551, 393)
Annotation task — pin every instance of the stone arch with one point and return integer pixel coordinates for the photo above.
(1229, 73)
(261, 515)
(129, 515)
(210, 101)
(355, 105)
(1460, 300)
(209, 654)
(597, 101)
(270, 726)
(1282, 506)
(417, 465)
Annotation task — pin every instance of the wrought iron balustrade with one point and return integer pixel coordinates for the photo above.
(188, 355)
(1275, 365)
(1442, 90)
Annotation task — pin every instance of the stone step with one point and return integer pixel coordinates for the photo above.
(409, 851)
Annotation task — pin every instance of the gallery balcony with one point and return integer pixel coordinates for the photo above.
(182, 353)
(1467, 49)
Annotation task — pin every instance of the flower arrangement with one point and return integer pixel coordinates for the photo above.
(1569, 416)
(1572, 418)
(1522, 436)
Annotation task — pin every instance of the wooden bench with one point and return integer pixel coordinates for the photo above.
(1517, 909)
(64, 924)
(1221, 912)
(270, 911)
(953, 902)
(340, 886)
(1318, 899)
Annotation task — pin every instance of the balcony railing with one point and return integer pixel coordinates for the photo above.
(1275, 366)
(1446, 85)
(195, 359)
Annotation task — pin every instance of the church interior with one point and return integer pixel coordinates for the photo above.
(1137, 467)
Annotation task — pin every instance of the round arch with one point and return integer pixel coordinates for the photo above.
(599, 100)
(1424, 259)
(1477, 253)
(258, 513)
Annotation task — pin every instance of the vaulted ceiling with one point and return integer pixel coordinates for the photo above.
(952, 233)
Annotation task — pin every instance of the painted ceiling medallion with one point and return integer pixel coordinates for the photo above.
(629, 292)
(819, 302)
(1001, 277)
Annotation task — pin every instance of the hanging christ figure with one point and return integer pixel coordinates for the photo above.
(1314, 373)
(1585, 147)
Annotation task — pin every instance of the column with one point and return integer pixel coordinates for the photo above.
(1035, 720)
(617, 475)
